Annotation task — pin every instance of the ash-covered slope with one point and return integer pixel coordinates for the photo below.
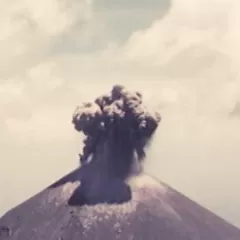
(109, 197)
(154, 212)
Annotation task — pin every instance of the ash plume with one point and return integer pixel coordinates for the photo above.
(119, 107)
(117, 129)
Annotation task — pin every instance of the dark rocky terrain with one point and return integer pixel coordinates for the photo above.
(156, 211)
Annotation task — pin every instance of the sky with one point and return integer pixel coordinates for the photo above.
(181, 54)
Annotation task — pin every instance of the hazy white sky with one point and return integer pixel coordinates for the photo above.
(183, 55)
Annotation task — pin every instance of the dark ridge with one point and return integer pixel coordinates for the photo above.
(236, 110)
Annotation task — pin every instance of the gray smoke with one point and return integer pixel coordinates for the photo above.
(117, 129)
(119, 106)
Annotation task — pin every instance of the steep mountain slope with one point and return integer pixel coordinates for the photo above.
(155, 211)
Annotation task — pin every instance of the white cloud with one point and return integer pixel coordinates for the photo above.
(202, 24)
(29, 29)
(196, 41)
(196, 46)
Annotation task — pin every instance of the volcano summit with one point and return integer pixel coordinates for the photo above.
(109, 197)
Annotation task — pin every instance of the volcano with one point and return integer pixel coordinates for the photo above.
(110, 197)
(156, 211)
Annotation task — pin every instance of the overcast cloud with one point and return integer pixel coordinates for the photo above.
(183, 55)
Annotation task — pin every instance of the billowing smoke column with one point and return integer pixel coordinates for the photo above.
(117, 129)
(122, 109)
